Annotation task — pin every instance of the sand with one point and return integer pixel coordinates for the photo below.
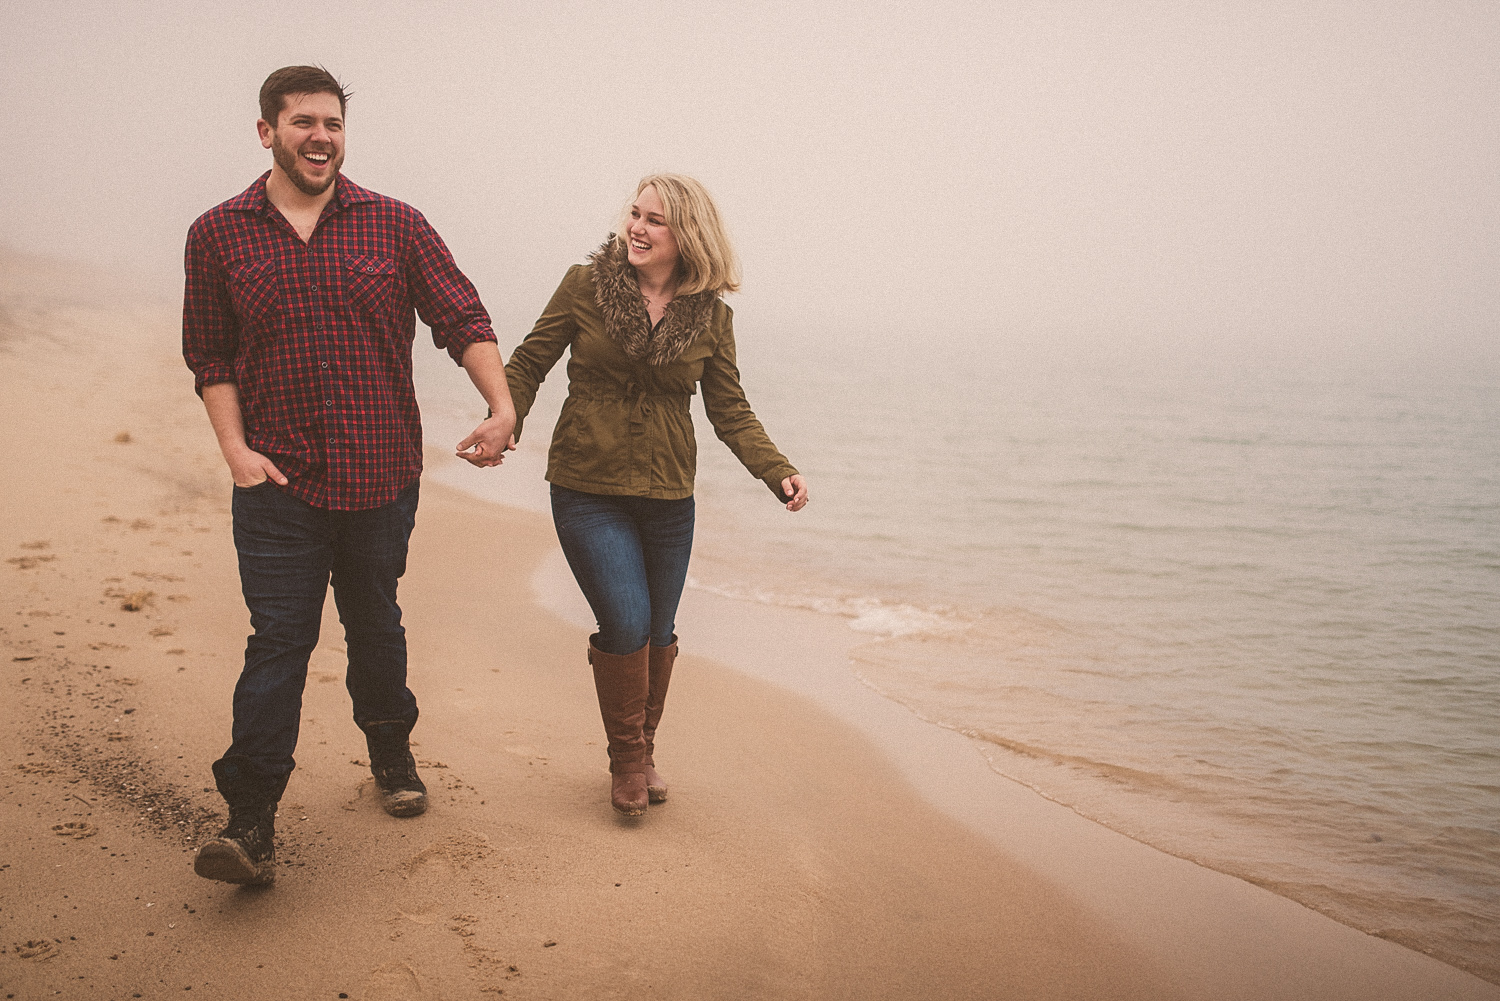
(819, 842)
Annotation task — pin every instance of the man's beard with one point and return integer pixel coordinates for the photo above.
(291, 163)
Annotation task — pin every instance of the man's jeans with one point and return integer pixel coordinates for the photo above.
(288, 553)
(630, 557)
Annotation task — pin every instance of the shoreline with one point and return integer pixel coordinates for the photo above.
(821, 841)
(1230, 750)
(826, 675)
(1230, 938)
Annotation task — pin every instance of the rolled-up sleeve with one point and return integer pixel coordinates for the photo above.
(445, 299)
(210, 330)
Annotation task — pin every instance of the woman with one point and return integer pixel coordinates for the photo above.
(646, 325)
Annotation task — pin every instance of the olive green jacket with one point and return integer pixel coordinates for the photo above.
(625, 428)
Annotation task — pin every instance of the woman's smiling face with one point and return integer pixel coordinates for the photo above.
(648, 239)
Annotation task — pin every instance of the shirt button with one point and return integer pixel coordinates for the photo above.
(315, 288)
(324, 364)
(327, 403)
(370, 270)
(330, 441)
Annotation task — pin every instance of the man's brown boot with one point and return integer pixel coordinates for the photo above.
(660, 661)
(621, 683)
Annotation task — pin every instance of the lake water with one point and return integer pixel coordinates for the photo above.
(1250, 616)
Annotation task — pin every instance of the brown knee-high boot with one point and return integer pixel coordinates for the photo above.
(622, 683)
(660, 662)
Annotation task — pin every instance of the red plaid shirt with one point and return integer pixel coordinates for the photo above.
(318, 335)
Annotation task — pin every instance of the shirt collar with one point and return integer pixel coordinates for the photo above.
(253, 198)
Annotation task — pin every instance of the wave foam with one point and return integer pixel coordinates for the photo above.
(871, 616)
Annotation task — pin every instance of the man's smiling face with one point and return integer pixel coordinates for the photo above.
(307, 141)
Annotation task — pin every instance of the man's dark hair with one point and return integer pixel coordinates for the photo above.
(297, 80)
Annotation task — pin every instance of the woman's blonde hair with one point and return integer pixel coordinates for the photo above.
(706, 257)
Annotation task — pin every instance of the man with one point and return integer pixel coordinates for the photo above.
(298, 325)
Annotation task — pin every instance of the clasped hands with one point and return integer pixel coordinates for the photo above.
(489, 442)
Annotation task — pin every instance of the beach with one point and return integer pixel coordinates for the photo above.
(820, 841)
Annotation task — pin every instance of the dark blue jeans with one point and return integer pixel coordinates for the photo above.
(630, 557)
(289, 551)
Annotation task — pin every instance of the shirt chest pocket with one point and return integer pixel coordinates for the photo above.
(370, 282)
(254, 288)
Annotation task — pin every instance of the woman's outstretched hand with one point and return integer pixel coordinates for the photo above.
(795, 487)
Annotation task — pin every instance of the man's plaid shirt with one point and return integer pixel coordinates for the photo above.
(318, 336)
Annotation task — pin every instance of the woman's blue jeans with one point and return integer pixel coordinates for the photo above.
(630, 558)
(289, 552)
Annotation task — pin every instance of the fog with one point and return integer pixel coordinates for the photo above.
(1142, 180)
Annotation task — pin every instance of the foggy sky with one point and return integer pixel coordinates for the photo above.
(1126, 178)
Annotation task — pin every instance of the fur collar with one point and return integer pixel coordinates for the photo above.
(626, 321)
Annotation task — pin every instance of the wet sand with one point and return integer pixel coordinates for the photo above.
(814, 846)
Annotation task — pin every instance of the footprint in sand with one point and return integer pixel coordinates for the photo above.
(426, 914)
(36, 949)
(490, 965)
(75, 829)
(131, 601)
(35, 768)
(367, 784)
(392, 982)
(455, 852)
